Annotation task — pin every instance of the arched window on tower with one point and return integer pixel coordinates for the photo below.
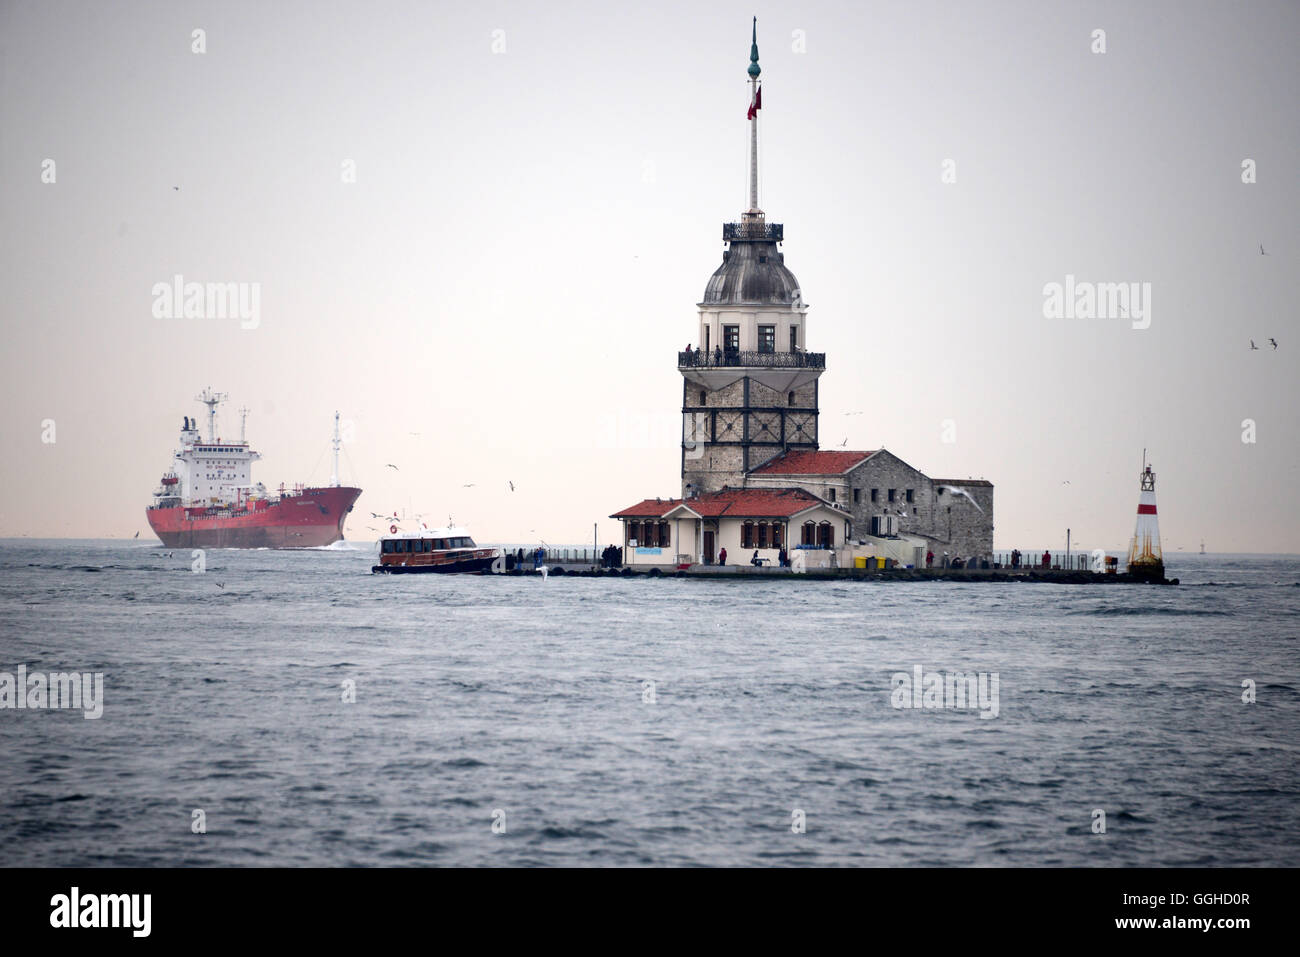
(790, 400)
(704, 397)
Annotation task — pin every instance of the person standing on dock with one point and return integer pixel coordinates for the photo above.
(929, 559)
(722, 557)
(783, 557)
(1047, 558)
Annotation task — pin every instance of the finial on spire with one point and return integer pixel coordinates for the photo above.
(754, 68)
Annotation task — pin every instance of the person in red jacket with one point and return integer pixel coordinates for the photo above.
(722, 557)
(1047, 559)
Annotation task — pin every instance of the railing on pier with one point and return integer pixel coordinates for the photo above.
(1080, 561)
(699, 359)
(552, 555)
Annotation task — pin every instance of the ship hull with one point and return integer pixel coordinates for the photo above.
(468, 566)
(310, 519)
(478, 560)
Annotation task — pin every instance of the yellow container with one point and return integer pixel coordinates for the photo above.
(880, 562)
(860, 561)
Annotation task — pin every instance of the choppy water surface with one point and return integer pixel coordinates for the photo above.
(223, 692)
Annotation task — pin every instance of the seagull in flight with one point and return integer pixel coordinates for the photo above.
(390, 465)
(1254, 348)
(512, 484)
(137, 534)
(1261, 250)
(468, 485)
(1272, 341)
(963, 493)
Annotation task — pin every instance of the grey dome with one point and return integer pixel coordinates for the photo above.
(752, 271)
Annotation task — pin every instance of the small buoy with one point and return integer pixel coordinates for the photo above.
(393, 529)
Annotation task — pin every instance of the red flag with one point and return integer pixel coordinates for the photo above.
(755, 106)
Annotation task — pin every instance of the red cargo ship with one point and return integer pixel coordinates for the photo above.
(207, 500)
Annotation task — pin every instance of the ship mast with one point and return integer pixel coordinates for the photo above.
(243, 419)
(211, 400)
(334, 479)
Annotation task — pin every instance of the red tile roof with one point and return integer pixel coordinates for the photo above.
(650, 508)
(799, 462)
(966, 483)
(731, 502)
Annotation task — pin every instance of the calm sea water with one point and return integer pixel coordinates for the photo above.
(475, 695)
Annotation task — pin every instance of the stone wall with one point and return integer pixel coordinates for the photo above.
(948, 523)
(745, 423)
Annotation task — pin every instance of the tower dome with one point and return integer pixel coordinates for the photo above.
(753, 270)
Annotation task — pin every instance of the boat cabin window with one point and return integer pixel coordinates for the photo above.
(426, 545)
(388, 546)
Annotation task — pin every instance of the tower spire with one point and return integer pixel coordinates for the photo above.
(754, 105)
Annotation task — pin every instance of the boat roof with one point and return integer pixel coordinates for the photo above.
(454, 531)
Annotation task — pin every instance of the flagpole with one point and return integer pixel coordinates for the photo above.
(754, 71)
(753, 150)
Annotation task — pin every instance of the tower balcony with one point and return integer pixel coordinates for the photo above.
(753, 230)
(781, 371)
(697, 359)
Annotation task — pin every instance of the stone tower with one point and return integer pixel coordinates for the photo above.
(749, 388)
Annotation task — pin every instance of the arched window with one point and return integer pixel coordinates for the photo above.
(776, 535)
(825, 535)
(809, 534)
(762, 535)
(790, 401)
(704, 397)
(663, 536)
(747, 535)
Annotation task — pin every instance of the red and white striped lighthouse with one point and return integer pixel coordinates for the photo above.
(1144, 558)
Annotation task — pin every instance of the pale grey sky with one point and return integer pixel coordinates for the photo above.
(520, 256)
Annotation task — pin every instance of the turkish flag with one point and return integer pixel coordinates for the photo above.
(756, 105)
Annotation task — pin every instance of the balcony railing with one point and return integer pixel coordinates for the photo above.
(698, 359)
(768, 232)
